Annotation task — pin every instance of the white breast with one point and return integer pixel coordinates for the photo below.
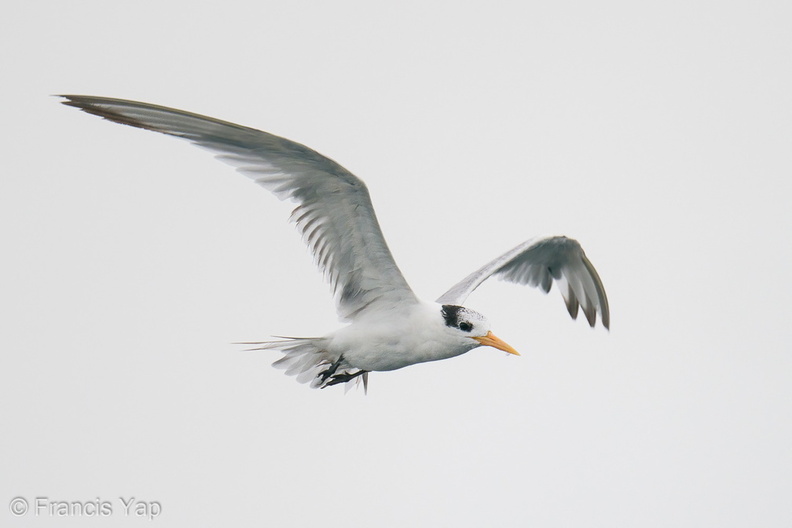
(398, 339)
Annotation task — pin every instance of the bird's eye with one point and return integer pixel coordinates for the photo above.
(465, 326)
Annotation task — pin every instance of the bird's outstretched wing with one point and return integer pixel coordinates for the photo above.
(334, 212)
(538, 262)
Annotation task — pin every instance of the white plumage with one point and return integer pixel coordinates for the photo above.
(389, 327)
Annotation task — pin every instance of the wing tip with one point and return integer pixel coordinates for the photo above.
(605, 318)
(93, 105)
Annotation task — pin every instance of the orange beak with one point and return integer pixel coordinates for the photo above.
(492, 340)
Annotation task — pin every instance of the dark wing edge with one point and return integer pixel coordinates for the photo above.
(539, 262)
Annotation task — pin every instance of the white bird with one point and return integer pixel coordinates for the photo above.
(389, 327)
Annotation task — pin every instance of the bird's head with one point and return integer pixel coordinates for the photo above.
(472, 328)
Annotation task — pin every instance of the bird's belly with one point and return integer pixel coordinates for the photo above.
(392, 354)
(394, 359)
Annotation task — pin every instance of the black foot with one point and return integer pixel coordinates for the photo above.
(331, 369)
(343, 378)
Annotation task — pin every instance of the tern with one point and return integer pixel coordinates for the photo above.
(388, 326)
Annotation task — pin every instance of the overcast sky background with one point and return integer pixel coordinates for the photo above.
(657, 135)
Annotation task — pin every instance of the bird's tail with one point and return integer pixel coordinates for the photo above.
(308, 359)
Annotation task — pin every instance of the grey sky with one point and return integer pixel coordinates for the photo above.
(658, 136)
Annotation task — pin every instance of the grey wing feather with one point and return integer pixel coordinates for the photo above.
(538, 262)
(334, 212)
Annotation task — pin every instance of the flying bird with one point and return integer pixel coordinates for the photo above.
(388, 326)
